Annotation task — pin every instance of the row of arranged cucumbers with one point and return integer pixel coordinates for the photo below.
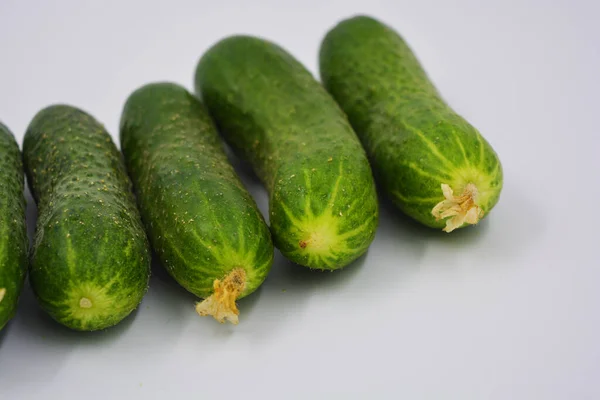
(90, 262)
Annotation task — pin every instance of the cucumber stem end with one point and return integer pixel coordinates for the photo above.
(84, 302)
(458, 209)
(221, 304)
(2, 293)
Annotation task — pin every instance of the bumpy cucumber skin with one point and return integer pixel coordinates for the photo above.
(89, 240)
(414, 140)
(323, 203)
(201, 220)
(13, 231)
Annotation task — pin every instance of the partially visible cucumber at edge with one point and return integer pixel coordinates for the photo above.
(13, 232)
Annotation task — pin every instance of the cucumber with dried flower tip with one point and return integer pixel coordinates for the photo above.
(202, 222)
(13, 233)
(90, 263)
(436, 166)
(323, 204)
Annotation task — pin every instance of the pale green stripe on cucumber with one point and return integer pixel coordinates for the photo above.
(436, 167)
(322, 200)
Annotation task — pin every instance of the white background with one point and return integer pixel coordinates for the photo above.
(506, 310)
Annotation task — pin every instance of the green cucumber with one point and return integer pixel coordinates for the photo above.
(90, 262)
(436, 167)
(13, 233)
(201, 221)
(322, 199)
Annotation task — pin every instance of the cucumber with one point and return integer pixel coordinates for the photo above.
(436, 167)
(322, 200)
(201, 221)
(90, 262)
(13, 232)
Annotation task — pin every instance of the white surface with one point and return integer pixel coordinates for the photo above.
(506, 310)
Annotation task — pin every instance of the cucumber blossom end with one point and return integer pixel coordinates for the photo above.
(458, 209)
(466, 200)
(221, 304)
